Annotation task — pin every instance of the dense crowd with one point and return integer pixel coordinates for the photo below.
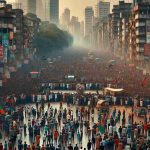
(29, 120)
(62, 128)
(71, 86)
(119, 74)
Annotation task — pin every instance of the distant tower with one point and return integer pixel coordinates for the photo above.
(46, 12)
(54, 11)
(40, 9)
(89, 14)
(66, 17)
(31, 6)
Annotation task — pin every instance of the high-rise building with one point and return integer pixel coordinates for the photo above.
(54, 11)
(118, 12)
(89, 13)
(40, 9)
(66, 18)
(31, 6)
(135, 2)
(141, 29)
(46, 12)
(74, 27)
(102, 9)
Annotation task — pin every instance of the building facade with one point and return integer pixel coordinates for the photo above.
(140, 29)
(66, 18)
(13, 43)
(102, 10)
(89, 14)
(31, 6)
(119, 12)
(54, 11)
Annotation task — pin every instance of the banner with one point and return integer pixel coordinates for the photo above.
(34, 74)
(5, 40)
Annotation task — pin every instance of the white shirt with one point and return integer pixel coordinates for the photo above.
(19, 136)
(127, 147)
(110, 129)
(124, 130)
(141, 103)
(39, 97)
(129, 141)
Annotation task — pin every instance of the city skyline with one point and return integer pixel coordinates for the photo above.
(74, 4)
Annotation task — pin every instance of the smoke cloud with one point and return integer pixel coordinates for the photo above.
(51, 38)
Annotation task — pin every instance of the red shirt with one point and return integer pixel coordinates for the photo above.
(55, 135)
(1, 147)
(116, 141)
(145, 126)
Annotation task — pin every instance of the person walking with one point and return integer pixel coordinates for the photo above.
(89, 145)
(76, 147)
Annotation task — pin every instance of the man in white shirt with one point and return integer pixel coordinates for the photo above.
(110, 130)
(129, 140)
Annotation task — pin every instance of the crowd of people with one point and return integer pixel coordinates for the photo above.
(120, 74)
(43, 126)
(71, 86)
(73, 97)
(29, 119)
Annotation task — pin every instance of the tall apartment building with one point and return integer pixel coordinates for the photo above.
(66, 18)
(40, 9)
(74, 27)
(141, 29)
(89, 14)
(102, 10)
(54, 11)
(119, 12)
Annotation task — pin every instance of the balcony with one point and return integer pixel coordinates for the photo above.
(140, 32)
(10, 26)
(140, 41)
(140, 24)
(142, 16)
(139, 49)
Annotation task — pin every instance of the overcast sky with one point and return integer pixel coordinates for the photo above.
(77, 6)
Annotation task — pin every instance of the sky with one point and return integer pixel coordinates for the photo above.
(77, 6)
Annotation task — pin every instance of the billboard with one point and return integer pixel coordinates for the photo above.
(148, 31)
(5, 43)
(5, 39)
